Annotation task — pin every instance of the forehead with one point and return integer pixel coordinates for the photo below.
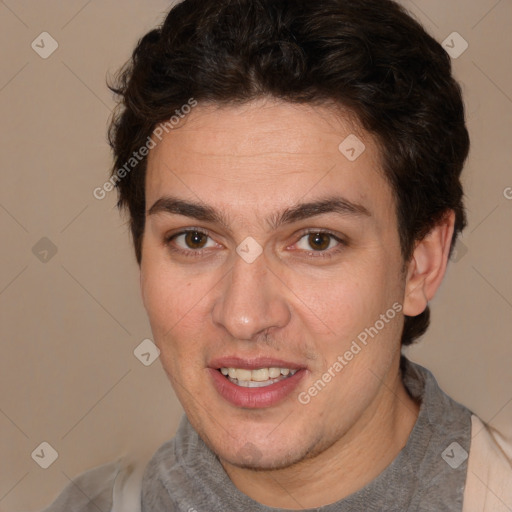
(262, 127)
(266, 153)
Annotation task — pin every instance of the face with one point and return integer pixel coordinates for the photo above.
(266, 248)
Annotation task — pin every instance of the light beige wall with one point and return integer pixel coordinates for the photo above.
(68, 375)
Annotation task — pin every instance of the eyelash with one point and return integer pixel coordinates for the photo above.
(198, 253)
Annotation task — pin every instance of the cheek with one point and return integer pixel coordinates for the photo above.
(342, 300)
(346, 305)
(168, 292)
(177, 305)
(169, 301)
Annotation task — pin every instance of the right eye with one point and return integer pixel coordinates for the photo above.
(190, 242)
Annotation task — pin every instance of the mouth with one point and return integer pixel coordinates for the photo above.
(258, 378)
(256, 383)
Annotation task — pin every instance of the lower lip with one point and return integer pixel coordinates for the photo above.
(255, 398)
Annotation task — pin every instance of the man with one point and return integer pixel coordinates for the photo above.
(292, 174)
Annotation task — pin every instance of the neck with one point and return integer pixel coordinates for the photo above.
(347, 465)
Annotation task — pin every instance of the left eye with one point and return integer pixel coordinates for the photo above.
(318, 241)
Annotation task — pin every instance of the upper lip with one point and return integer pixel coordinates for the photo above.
(252, 363)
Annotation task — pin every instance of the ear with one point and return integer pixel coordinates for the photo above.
(427, 266)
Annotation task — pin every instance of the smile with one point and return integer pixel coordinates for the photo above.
(258, 383)
(257, 378)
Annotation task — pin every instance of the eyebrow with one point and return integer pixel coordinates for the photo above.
(334, 204)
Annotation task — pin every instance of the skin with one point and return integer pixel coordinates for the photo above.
(250, 162)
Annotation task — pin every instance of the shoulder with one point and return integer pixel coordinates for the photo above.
(161, 461)
(489, 477)
(144, 484)
(168, 478)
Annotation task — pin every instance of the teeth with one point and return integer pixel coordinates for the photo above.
(253, 384)
(273, 373)
(260, 375)
(243, 374)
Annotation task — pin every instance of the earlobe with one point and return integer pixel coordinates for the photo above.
(427, 266)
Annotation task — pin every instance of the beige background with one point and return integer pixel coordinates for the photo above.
(68, 375)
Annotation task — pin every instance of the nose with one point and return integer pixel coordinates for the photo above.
(252, 300)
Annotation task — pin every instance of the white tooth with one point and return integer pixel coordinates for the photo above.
(285, 371)
(259, 375)
(232, 373)
(224, 371)
(274, 372)
(242, 374)
(252, 384)
(293, 372)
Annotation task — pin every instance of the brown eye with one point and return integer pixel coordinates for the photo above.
(195, 239)
(190, 241)
(319, 241)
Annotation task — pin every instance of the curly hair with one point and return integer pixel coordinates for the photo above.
(368, 56)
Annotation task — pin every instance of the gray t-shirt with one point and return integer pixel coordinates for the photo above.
(428, 475)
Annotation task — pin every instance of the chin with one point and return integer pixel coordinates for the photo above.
(258, 453)
(252, 458)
